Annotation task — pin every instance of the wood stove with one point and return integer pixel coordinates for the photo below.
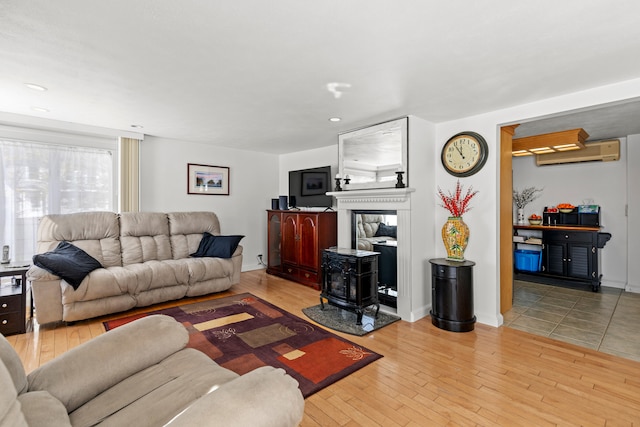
(350, 280)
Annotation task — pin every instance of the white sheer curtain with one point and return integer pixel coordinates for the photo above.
(37, 179)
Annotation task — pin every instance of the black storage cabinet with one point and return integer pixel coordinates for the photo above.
(452, 295)
(573, 255)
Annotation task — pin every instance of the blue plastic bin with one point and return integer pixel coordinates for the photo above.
(527, 260)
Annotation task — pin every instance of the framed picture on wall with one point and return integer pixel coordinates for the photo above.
(206, 179)
(314, 183)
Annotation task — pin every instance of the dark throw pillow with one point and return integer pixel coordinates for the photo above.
(68, 262)
(387, 230)
(217, 246)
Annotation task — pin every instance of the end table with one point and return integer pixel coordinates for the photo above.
(452, 295)
(13, 298)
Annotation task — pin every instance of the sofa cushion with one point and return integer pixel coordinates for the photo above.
(186, 230)
(67, 261)
(41, 409)
(217, 246)
(153, 396)
(193, 223)
(158, 275)
(144, 237)
(99, 364)
(282, 397)
(101, 283)
(96, 233)
(10, 359)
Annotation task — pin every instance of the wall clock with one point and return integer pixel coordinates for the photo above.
(464, 154)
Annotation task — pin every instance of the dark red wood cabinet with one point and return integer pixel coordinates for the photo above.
(296, 240)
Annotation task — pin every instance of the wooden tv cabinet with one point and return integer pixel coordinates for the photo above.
(296, 240)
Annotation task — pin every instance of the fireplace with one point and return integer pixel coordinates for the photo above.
(411, 298)
(350, 280)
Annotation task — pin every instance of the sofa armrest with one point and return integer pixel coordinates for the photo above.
(83, 372)
(236, 259)
(264, 397)
(36, 273)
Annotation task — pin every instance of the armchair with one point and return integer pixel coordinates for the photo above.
(141, 374)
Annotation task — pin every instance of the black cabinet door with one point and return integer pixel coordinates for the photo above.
(579, 260)
(566, 257)
(555, 255)
(571, 256)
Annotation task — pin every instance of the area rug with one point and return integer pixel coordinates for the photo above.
(244, 332)
(345, 321)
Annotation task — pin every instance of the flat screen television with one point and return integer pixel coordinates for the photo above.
(307, 187)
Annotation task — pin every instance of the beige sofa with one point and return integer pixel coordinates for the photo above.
(145, 259)
(368, 231)
(141, 374)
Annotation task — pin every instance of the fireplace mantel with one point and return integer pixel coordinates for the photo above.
(384, 195)
(399, 200)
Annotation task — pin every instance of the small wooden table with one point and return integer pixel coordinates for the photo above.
(13, 299)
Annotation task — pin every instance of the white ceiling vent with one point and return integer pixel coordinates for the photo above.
(599, 151)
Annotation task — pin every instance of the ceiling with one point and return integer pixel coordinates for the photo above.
(252, 74)
(602, 122)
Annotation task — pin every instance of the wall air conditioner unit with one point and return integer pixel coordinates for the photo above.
(598, 151)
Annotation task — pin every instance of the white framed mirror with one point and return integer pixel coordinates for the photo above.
(370, 157)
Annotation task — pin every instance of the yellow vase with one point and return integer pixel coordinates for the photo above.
(455, 236)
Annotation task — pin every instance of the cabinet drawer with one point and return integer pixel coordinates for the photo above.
(445, 272)
(289, 270)
(12, 323)
(308, 276)
(568, 236)
(10, 303)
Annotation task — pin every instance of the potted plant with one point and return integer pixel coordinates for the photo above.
(455, 233)
(523, 198)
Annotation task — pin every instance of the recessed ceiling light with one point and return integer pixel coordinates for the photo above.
(40, 109)
(35, 87)
(335, 119)
(137, 126)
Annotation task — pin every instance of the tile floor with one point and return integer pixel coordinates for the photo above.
(608, 320)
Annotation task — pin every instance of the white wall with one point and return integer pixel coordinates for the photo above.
(253, 183)
(484, 219)
(422, 178)
(605, 183)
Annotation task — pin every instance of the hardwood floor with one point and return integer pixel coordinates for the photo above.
(428, 376)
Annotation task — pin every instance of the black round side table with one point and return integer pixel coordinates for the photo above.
(452, 295)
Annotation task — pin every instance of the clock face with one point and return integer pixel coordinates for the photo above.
(464, 154)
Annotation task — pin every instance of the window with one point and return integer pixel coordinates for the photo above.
(40, 178)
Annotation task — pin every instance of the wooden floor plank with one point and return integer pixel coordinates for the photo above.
(428, 376)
